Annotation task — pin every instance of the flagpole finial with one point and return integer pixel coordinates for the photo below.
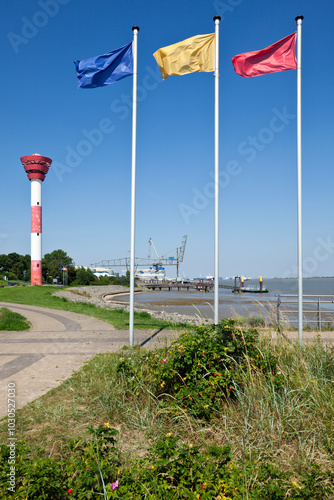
(218, 18)
(135, 28)
(299, 17)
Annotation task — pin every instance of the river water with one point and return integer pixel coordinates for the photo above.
(234, 304)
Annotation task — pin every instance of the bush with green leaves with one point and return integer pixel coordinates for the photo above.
(37, 476)
(86, 470)
(11, 277)
(170, 470)
(173, 470)
(205, 366)
(262, 445)
(93, 463)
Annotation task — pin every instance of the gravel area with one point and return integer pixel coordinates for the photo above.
(96, 295)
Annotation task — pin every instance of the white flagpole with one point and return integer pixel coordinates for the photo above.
(216, 268)
(299, 20)
(135, 30)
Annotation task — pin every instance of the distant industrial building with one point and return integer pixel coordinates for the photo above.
(102, 271)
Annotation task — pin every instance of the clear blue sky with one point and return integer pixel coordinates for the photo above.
(86, 195)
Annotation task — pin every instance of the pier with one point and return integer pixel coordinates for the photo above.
(200, 286)
(204, 286)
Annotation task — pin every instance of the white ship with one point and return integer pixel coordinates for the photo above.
(151, 274)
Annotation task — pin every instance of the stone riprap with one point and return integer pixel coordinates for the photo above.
(97, 295)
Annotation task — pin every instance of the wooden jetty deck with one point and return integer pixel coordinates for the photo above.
(174, 285)
(200, 286)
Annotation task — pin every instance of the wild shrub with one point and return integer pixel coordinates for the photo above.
(170, 470)
(87, 469)
(205, 366)
(36, 476)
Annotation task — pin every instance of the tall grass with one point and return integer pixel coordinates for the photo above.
(294, 423)
(282, 419)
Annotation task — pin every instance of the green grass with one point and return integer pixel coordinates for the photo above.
(12, 321)
(42, 296)
(5, 283)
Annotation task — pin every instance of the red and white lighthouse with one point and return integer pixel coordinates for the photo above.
(36, 166)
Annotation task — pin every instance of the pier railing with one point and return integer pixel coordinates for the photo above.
(316, 310)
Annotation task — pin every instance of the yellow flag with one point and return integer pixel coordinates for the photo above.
(193, 54)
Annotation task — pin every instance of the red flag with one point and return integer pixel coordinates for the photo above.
(277, 57)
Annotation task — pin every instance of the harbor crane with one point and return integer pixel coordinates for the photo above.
(157, 261)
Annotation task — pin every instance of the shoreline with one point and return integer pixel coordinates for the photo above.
(97, 294)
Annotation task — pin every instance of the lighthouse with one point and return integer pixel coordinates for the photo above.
(36, 167)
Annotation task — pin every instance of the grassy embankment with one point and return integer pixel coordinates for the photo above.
(12, 321)
(218, 415)
(42, 296)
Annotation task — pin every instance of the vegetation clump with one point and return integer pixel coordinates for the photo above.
(16, 268)
(219, 414)
(12, 321)
(170, 470)
(205, 366)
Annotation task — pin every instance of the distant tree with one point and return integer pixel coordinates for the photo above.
(15, 264)
(3, 262)
(27, 266)
(53, 262)
(71, 273)
(104, 280)
(13, 259)
(84, 277)
(18, 269)
(127, 278)
(109, 280)
(12, 277)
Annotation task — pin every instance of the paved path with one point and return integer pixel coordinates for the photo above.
(58, 344)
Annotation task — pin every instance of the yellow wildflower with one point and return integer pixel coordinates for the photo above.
(294, 483)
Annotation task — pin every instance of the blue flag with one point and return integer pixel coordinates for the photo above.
(106, 69)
